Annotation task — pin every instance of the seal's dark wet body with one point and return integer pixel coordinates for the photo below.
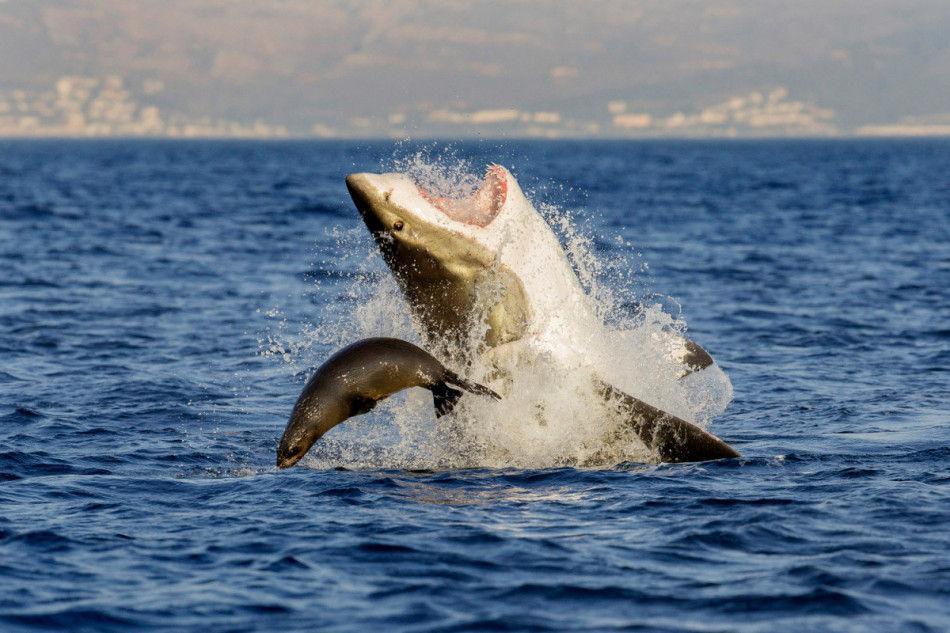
(354, 379)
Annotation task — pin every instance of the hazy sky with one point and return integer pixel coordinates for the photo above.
(463, 68)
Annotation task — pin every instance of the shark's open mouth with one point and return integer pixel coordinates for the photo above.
(478, 209)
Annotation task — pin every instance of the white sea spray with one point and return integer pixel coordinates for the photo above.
(551, 414)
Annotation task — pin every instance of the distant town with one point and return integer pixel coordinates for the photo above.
(82, 106)
(95, 107)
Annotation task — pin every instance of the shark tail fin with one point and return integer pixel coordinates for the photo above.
(444, 398)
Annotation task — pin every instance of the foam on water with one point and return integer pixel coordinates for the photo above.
(551, 414)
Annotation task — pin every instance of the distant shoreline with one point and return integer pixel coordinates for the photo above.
(487, 139)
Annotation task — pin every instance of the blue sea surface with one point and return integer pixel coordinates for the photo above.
(139, 418)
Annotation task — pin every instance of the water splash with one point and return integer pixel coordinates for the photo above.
(439, 170)
(551, 414)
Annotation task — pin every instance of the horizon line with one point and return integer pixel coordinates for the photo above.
(487, 138)
(469, 138)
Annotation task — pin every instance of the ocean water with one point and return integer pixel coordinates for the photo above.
(162, 302)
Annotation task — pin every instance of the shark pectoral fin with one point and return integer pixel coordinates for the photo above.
(444, 398)
(672, 438)
(690, 354)
(696, 357)
(509, 355)
(505, 359)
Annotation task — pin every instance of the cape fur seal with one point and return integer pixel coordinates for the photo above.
(358, 376)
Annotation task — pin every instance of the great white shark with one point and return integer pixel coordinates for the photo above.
(486, 278)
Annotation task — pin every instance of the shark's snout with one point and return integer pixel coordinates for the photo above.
(371, 194)
(362, 190)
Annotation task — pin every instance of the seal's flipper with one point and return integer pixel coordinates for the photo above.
(469, 386)
(445, 398)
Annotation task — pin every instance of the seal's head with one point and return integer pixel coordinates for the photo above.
(295, 443)
(292, 450)
(315, 413)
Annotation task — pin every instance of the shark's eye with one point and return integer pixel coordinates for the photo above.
(397, 225)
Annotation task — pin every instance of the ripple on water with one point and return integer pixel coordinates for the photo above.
(138, 419)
